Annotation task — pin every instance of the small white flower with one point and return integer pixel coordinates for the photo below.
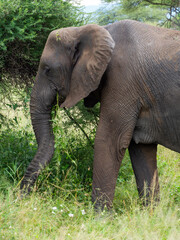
(83, 212)
(61, 210)
(61, 205)
(68, 234)
(71, 215)
(10, 227)
(82, 226)
(53, 212)
(54, 208)
(35, 209)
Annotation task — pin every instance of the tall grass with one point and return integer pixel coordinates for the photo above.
(60, 205)
(69, 214)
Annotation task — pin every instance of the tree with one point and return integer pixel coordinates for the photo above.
(165, 12)
(119, 11)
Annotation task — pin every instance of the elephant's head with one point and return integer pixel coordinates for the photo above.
(72, 64)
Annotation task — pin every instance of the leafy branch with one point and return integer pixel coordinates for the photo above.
(79, 126)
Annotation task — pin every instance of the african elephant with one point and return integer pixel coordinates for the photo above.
(133, 70)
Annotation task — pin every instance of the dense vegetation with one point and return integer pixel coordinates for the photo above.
(60, 205)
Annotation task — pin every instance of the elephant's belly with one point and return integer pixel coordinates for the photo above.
(164, 130)
(144, 132)
(170, 136)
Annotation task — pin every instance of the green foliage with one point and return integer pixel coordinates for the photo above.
(153, 11)
(24, 28)
(119, 12)
(13, 103)
(170, 7)
(17, 148)
(70, 168)
(72, 160)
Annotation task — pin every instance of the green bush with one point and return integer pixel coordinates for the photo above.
(71, 166)
(24, 28)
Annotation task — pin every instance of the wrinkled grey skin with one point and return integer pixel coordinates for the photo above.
(133, 69)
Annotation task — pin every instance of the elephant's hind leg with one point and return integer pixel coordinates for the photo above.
(144, 163)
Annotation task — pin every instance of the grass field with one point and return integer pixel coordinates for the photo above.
(60, 205)
(69, 214)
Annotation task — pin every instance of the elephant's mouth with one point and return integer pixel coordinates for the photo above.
(61, 99)
(62, 94)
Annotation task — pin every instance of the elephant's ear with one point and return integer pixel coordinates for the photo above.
(93, 48)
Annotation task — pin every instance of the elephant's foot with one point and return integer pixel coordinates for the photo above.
(26, 186)
(101, 201)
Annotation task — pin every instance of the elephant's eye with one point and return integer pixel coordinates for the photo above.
(47, 70)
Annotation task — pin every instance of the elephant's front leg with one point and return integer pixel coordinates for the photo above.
(107, 160)
(113, 136)
(105, 172)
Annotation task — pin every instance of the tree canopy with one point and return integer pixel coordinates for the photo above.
(163, 12)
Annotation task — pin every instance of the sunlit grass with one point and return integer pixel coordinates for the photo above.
(44, 215)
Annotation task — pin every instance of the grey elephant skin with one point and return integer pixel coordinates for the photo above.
(133, 70)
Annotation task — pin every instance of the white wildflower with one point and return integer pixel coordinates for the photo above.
(61, 210)
(71, 215)
(83, 212)
(53, 212)
(35, 209)
(54, 208)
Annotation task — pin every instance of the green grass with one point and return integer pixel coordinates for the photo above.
(45, 215)
(60, 205)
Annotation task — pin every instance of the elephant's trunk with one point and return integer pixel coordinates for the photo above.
(40, 109)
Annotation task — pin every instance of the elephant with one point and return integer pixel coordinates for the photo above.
(133, 70)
